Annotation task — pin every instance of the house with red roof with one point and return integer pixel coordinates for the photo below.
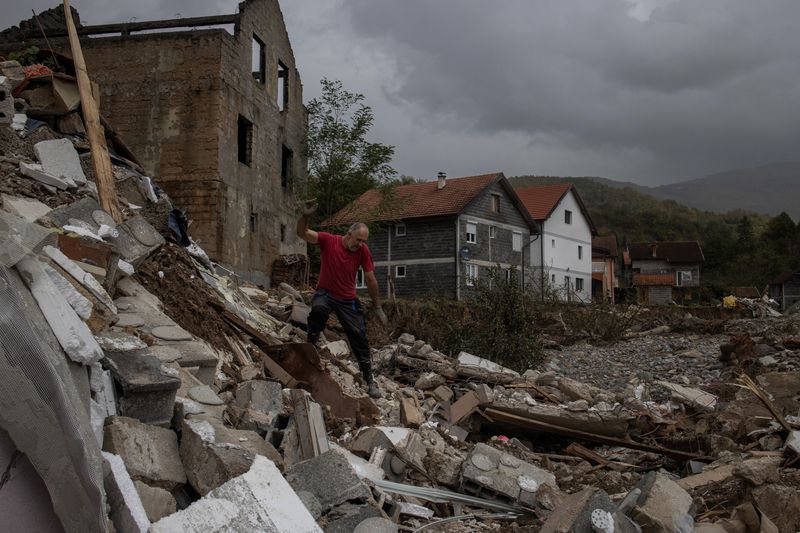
(441, 237)
(665, 271)
(562, 257)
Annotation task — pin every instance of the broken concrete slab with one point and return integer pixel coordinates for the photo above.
(266, 396)
(14, 72)
(258, 500)
(156, 501)
(330, 478)
(488, 471)
(203, 394)
(663, 505)
(377, 524)
(136, 240)
(126, 510)
(212, 454)
(72, 333)
(59, 158)
(81, 276)
(429, 380)
(467, 360)
(346, 517)
(6, 101)
(574, 514)
(82, 305)
(36, 172)
(150, 453)
(759, 471)
(695, 397)
(28, 208)
(443, 393)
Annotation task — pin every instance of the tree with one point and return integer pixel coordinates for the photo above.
(342, 163)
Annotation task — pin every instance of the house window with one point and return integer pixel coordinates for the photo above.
(244, 139)
(283, 232)
(553, 279)
(253, 222)
(471, 274)
(400, 271)
(553, 243)
(400, 230)
(259, 60)
(361, 282)
(283, 86)
(472, 233)
(516, 241)
(495, 199)
(492, 232)
(578, 284)
(508, 274)
(567, 282)
(287, 163)
(580, 252)
(567, 216)
(682, 277)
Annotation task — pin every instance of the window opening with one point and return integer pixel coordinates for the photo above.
(361, 282)
(567, 216)
(516, 241)
(287, 162)
(283, 232)
(244, 139)
(580, 252)
(495, 203)
(471, 274)
(578, 284)
(253, 222)
(259, 61)
(400, 271)
(400, 230)
(492, 232)
(472, 233)
(283, 86)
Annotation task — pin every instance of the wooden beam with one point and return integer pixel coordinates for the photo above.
(103, 174)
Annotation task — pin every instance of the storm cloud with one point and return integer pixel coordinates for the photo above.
(650, 91)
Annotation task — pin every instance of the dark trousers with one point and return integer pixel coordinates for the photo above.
(351, 317)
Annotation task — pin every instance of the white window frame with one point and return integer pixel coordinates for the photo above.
(516, 241)
(567, 216)
(492, 232)
(470, 274)
(397, 271)
(473, 233)
(400, 230)
(579, 284)
(361, 279)
(580, 252)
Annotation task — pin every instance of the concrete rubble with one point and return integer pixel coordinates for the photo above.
(213, 413)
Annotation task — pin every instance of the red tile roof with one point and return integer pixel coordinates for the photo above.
(604, 246)
(669, 251)
(417, 200)
(540, 201)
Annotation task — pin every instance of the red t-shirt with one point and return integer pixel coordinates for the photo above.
(339, 267)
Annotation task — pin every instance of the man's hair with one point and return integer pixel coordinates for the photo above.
(356, 226)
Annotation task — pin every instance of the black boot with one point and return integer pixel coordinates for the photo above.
(369, 381)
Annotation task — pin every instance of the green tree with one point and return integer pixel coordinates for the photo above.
(342, 163)
(745, 232)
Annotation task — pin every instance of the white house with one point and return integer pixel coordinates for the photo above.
(561, 257)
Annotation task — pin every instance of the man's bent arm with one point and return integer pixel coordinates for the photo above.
(308, 235)
(372, 287)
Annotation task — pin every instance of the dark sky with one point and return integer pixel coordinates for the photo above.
(651, 91)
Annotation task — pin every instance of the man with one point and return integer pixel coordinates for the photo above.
(342, 256)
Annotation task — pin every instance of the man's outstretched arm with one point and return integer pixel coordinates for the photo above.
(372, 287)
(308, 235)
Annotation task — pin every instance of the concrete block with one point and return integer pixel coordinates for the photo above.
(150, 453)
(575, 512)
(148, 392)
(59, 158)
(258, 500)
(36, 171)
(663, 505)
(346, 518)
(213, 454)
(488, 471)
(79, 303)
(266, 396)
(330, 478)
(468, 360)
(429, 380)
(156, 501)
(29, 209)
(126, 510)
(137, 239)
(443, 393)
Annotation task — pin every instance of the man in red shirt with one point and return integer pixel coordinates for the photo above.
(342, 256)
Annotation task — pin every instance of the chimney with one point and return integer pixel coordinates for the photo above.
(442, 181)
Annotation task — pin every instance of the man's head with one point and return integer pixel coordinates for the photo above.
(355, 236)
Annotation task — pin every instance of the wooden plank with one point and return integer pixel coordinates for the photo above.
(101, 162)
(501, 416)
(464, 406)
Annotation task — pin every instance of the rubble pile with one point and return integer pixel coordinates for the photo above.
(169, 397)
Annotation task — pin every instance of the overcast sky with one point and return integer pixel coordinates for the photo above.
(651, 91)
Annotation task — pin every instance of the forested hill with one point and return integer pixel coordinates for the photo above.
(740, 248)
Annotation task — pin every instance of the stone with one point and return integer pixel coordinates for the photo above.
(156, 501)
(376, 524)
(71, 124)
(776, 501)
(260, 395)
(171, 333)
(695, 397)
(126, 509)
(406, 338)
(663, 505)
(793, 442)
(28, 208)
(484, 393)
(759, 471)
(490, 471)
(468, 360)
(129, 320)
(213, 454)
(429, 380)
(258, 500)
(346, 517)
(14, 72)
(767, 360)
(330, 478)
(575, 390)
(148, 392)
(411, 414)
(205, 395)
(59, 158)
(7, 111)
(339, 348)
(443, 393)
(311, 502)
(150, 453)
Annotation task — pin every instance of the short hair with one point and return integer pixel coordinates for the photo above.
(357, 226)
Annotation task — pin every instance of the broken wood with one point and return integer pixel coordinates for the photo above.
(274, 369)
(464, 406)
(248, 328)
(509, 418)
(101, 162)
(242, 359)
(748, 383)
(583, 452)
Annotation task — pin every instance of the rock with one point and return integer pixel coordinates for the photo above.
(346, 517)
(35, 171)
(376, 524)
(793, 442)
(776, 501)
(330, 478)
(157, 502)
(59, 158)
(260, 395)
(443, 393)
(406, 338)
(150, 453)
(203, 394)
(767, 360)
(663, 505)
(339, 348)
(258, 500)
(125, 506)
(575, 390)
(468, 360)
(430, 380)
(695, 397)
(759, 471)
(28, 208)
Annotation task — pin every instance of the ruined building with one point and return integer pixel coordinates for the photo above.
(213, 108)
